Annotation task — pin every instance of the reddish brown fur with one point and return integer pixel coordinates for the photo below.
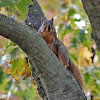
(59, 49)
(47, 37)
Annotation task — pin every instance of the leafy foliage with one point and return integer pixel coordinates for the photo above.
(18, 7)
(19, 65)
(1, 75)
(92, 79)
(73, 30)
(16, 68)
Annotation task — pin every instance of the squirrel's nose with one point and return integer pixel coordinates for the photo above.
(48, 27)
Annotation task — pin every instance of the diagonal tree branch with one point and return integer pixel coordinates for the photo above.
(53, 80)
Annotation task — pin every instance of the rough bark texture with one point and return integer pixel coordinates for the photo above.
(53, 80)
(34, 16)
(92, 8)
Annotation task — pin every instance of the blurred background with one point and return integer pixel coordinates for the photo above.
(74, 30)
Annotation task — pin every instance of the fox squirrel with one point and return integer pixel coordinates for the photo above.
(48, 33)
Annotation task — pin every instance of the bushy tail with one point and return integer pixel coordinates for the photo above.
(74, 69)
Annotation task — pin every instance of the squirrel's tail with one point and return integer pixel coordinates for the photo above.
(74, 69)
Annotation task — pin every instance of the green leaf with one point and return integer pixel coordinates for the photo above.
(22, 8)
(16, 68)
(72, 12)
(73, 57)
(67, 30)
(30, 93)
(1, 75)
(9, 85)
(79, 37)
(86, 77)
(15, 6)
(14, 54)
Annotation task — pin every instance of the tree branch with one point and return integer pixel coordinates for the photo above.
(34, 16)
(92, 8)
(53, 80)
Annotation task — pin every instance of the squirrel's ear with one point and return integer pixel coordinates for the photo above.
(52, 19)
(42, 19)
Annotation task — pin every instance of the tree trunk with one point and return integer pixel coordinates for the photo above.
(53, 80)
(92, 8)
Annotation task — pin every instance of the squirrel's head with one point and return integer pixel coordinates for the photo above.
(47, 25)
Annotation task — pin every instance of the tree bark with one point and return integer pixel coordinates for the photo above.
(53, 80)
(92, 8)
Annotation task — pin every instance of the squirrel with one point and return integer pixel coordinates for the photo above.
(48, 33)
